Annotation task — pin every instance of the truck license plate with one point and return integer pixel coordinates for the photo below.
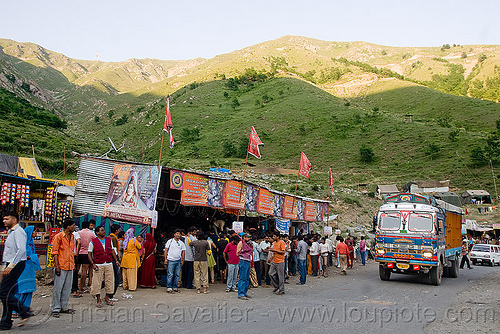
(402, 266)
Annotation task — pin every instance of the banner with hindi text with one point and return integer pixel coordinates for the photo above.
(195, 190)
(310, 212)
(265, 204)
(233, 198)
(290, 207)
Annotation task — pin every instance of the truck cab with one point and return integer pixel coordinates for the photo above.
(411, 238)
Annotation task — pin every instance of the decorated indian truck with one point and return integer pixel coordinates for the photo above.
(419, 235)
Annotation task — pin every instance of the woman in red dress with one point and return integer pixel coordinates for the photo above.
(147, 277)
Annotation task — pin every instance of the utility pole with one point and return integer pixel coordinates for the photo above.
(494, 181)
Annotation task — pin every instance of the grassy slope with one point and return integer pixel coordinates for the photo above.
(332, 133)
(17, 135)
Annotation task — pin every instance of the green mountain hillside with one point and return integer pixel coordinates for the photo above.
(410, 111)
(26, 129)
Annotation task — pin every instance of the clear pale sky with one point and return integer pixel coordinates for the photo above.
(180, 29)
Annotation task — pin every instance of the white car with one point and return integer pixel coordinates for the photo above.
(485, 253)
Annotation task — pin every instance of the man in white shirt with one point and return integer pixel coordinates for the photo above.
(74, 289)
(264, 266)
(188, 267)
(14, 258)
(314, 252)
(175, 251)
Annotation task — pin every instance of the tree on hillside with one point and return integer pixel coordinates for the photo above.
(432, 150)
(478, 158)
(366, 154)
(235, 103)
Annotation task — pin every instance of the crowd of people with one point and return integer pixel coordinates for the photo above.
(240, 261)
(87, 261)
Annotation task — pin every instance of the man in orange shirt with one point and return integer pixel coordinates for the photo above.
(342, 252)
(277, 267)
(63, 250)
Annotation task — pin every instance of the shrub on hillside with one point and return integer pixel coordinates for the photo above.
(366, 154)
(478, 158)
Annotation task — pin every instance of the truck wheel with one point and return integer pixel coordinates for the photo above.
(492, 263)
(453, 270)
(384, 273)
(446, 272)
(474, 262)
(436, 274)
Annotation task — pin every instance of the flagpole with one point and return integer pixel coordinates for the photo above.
(243, 181)
(161, 146)
(296, 184)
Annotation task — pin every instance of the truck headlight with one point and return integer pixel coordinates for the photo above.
(427, 252)
(487, 255)
(380, 251)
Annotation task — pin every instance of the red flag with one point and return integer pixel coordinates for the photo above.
(253, 144)
(305, 166)
(330, 181)
(167, 126)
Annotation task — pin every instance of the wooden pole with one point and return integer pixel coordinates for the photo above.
(33, 150)
(161, 146)
(64, 163)
(243, 182)
(296, 185)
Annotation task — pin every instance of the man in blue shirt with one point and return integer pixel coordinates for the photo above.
(301, 252)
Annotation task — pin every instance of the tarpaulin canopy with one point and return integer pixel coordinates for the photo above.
(19, 166)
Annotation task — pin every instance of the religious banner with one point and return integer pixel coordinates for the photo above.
(216, 193)
(251, 197)
(301, 209)
(319, 211)
(233, 197)
(195, 190)
(310, 213)
(290, 207)
(265, 204)
(278, 205)
(132, 193)
(176, 180)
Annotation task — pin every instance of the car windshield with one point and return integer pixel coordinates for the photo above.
(481, 248)
(420, 222)
(390, 221)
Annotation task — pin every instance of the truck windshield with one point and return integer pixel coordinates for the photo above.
(390, 221)
(420, 222)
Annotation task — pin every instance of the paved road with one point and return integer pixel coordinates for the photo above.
(358, 302)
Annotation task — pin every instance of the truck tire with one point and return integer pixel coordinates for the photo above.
(453, 270)
(492, 263)
(446, 272)
(384, 273)
(436, 274)
(474, 262)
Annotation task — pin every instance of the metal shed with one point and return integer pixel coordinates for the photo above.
(475, 197)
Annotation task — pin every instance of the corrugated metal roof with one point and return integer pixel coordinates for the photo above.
(475, 193)
(94, 177)
(388, 188)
